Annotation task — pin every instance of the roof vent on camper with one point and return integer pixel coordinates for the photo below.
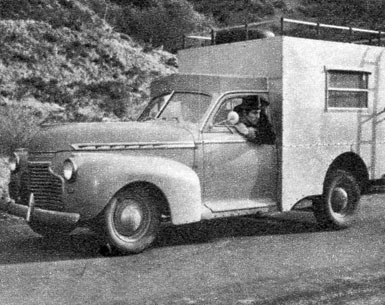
(240, 34)
(256, 30)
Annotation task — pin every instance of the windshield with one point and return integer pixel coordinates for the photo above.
(154, 107)
(182, 107)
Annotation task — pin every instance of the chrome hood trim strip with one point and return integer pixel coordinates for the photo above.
(132, 146)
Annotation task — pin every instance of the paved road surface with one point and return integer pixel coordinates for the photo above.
(283, 259)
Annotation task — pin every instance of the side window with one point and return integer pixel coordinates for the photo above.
(219, 121)
(347, 89)
(228, 105)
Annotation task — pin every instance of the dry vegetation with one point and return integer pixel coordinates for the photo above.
(76, 70)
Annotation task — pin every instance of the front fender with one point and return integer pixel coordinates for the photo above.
(101, 176)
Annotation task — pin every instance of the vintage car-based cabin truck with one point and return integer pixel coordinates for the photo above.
(184, 161)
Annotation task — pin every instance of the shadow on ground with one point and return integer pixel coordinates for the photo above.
(288, 223)
(21, 245)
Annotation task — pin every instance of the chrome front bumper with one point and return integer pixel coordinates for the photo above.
(31, 212)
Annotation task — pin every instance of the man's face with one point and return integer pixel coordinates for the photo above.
(253, 116)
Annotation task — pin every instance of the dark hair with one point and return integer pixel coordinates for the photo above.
(250, 103)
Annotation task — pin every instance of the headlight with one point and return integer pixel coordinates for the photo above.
(69, 170)
(14, 163)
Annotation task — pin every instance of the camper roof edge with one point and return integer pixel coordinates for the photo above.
(250, 31)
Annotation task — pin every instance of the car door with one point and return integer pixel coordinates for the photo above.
(237, 174)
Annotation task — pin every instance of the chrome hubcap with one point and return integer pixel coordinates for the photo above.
(339, 199)
(128, 217)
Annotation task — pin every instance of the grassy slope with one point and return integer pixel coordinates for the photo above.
(86, 68)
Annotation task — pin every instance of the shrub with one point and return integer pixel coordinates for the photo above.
(49, 91)
(18, 124)
(226, 12)
(113, 96)
(58, 13)
(280, 4)
(367, 14)
(162, 24)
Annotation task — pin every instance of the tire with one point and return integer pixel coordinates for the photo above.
(339, 204)
(49, 231)
(132, 221)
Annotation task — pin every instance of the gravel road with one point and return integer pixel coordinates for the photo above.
(280, 259)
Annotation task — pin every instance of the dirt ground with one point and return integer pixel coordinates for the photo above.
(279, 259)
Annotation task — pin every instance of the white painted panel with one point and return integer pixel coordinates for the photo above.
(312, 136)
(258, 58)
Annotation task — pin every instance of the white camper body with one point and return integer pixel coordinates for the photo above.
(327, 103)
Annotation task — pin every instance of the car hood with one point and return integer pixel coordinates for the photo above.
(67, 137)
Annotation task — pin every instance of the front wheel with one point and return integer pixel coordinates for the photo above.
(339, 204)
(132, 221)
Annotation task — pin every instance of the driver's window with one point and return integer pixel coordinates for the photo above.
(220, 118)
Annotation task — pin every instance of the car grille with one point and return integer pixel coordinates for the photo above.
(46, 186)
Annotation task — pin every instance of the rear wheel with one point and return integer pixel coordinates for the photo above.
(132, 220)
(338, 207)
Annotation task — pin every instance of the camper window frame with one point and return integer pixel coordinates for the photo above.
(329, 88)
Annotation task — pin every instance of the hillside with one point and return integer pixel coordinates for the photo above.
(90, 73)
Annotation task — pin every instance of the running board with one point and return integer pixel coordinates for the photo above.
(266, 208)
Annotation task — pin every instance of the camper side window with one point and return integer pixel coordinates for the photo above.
(347, 89)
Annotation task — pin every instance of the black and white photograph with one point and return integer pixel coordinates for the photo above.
(192, 152)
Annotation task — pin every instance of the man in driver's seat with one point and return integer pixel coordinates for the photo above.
(253, 122)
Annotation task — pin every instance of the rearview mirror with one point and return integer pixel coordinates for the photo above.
(233, 118)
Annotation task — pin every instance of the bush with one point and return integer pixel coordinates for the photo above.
(58, 13)
(18, 124)
(226, 12)
(113, 96)
(367, 14)
(163, 24)
(49, 91)
(280, 4)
